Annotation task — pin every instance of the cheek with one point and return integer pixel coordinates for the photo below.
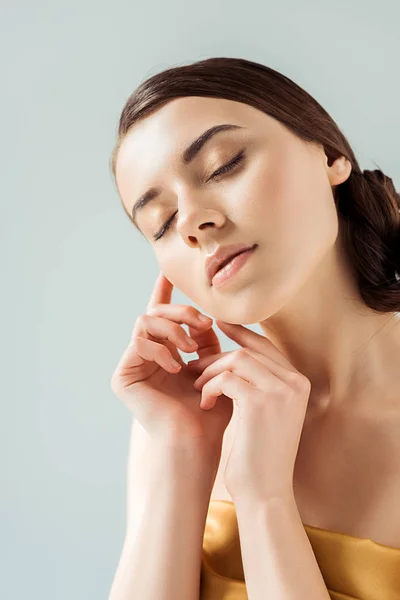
(295, 211)
(191, 282)
(179, 270)
(171, 270)
(269, 200)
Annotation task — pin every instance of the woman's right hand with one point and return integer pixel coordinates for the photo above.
(160, 395)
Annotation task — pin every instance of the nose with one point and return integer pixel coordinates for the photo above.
(196, 222)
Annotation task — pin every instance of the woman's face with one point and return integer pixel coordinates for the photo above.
(277, 196)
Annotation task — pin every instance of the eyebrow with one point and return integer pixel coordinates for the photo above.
(187, 157)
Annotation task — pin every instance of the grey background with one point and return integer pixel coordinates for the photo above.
(75, 275)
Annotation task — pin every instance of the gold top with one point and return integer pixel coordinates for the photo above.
(353, 568)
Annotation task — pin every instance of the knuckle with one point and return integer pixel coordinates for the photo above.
(139, 323)
(164, 351)
(144, 318)
(178, 331)
(133, 343)
(280, 390)
(225, 376)
(293, 378)
(189, 311)
(297, 380)
(153, 310)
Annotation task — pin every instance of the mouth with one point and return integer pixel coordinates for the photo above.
(230, 266)
(228, 260)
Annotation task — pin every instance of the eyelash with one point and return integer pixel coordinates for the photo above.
(225, 168)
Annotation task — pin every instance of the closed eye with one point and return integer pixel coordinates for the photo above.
(236, 160)
(224, 169)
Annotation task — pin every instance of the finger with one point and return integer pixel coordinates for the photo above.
(207, 340)
(201, 331)
(138, 352)
(283, 373)
(162, 291)
(247, 368)
(252, 340)
(142, 350)
(230, 385)
(199, 364)
(188, 315)
(181, 313)
(202, 363)
(163, 330)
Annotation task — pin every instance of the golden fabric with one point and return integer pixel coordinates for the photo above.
(353, 568)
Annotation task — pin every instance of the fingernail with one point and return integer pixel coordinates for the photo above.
(204, 318)
(191, 342)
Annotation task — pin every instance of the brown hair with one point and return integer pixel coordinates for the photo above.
(367, 202)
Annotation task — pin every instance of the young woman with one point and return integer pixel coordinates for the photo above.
(256, 208)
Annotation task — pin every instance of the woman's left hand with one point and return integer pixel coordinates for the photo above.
(271, 397)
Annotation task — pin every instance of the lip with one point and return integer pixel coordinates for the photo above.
(221, 255)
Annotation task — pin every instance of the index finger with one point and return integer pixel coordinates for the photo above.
(251, 339)
(162, 291)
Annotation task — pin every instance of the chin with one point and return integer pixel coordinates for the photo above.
(239, 317)
(247, 310)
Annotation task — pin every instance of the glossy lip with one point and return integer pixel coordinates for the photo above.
(222, 254)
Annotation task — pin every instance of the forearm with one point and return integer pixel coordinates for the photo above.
(278, 559)
(163, 562)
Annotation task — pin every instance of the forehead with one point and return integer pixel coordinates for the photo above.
(156, 142)
(172, 126)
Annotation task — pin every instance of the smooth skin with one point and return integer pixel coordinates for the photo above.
(160, 395)
(298, 287)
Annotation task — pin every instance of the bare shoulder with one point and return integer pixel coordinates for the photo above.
(346, 477)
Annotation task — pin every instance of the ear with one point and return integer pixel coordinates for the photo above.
(339, 171)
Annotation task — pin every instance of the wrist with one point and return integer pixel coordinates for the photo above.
(189, 466)
(250, 500)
